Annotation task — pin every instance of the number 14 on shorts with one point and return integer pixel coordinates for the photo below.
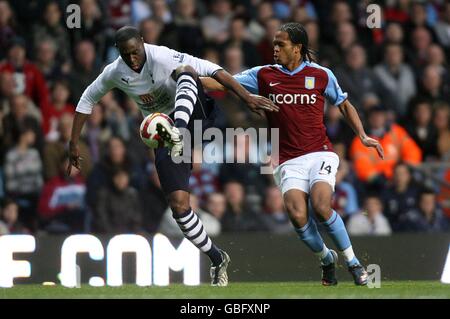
(325, 169)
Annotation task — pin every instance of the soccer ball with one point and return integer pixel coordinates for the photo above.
(148, 131)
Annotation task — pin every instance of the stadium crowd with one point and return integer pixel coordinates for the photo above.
(397, 76)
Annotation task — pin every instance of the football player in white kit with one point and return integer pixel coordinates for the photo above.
(162, 80)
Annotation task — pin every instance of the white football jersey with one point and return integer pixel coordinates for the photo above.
(153, 89)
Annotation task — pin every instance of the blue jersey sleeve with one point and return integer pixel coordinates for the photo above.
(333, 91)
(249, 79)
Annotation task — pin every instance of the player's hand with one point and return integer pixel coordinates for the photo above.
(74, 157)
(370, 142)
(259, 104)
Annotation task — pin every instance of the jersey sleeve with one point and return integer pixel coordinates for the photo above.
(173, 59)
(333, 91)
(95, 91)
(249, 79)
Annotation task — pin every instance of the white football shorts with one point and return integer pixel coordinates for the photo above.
(302, 172)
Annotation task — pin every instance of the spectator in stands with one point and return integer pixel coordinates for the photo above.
(116, 157)
(92, 27)
(422, 130)
(216, 205)
(27, 77)
(58, 105)
(436, 57)
(371, 221)
(421, 40)
(257, 26)
(354, 76)
(418, 18)
(274, 215)
(338, 130)
(7, 90)
(234, 60)
(118, 208)
(346, 36)
(54, 151)
(51, 27)
(427, 217)
(324, 52)
(153, 200)
(239, 38)
(151, 29)
(84, 71)
(433, 86)
(393, 34)
(442, 123)
(216, 25)
(23, 176)
(118, 13)
(339, 13)
(203, 181)
(241, 169)
(96, 133)
(18, 118)
(442, 27)
(7, 27)
(62, 207)
(9, 219)
(396, 142)
(188, 28)
(238, 217)
(161, 11)
(265, 46)
(400, 196)
(394, 76)
(47, 63)
(115, 116)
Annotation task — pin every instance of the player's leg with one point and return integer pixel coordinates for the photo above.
(191, 225)
(174, 179)
(296, 202)
(186, 98)
(322, 180)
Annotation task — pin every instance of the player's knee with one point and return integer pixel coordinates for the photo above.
(297, 214)
(179, 203)
(321, 206)
(186, 69)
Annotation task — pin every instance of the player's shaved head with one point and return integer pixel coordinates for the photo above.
(131, 47)
(126, 33)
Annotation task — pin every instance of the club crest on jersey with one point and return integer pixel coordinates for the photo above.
(146, 98)
(309, 82)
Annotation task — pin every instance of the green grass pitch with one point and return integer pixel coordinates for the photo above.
(257, 290)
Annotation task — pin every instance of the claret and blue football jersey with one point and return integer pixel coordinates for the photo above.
(300, 95)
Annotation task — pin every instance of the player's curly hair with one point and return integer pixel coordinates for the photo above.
(297, 35)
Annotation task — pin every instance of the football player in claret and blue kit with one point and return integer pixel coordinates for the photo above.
(162, 80)
(307, 165)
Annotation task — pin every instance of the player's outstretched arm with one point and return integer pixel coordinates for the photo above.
(352, 118)
(256, 103)
(74, 152)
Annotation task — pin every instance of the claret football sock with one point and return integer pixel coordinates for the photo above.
(336, 229)
(311, 237)
(193, 230)
(185, 99)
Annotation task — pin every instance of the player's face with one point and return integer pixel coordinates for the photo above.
(133, 53)
(284, 51)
